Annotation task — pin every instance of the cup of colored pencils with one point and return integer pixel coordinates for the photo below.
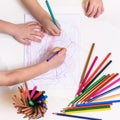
(31, 103)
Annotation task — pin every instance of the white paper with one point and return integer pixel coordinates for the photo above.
(67, 75)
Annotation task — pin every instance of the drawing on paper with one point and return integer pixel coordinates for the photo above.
(37, 52)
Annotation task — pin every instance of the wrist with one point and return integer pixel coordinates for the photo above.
(12, 29)
(44, 15)
(7, 27)
(48, 65)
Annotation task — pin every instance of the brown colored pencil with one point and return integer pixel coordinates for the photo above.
(87, 62)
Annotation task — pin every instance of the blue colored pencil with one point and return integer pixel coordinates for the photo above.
(111, 90)
(96, 103)
(74, 116)
(90, 104)
(51, 13)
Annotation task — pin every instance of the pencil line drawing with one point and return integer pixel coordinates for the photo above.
(37, 52)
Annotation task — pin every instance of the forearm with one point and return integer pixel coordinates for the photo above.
(34, 7)
(7, 27)
(24, 74)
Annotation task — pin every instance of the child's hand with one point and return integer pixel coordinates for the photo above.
(93, 8)
(58, 59)
(23, 33)
(48, 25)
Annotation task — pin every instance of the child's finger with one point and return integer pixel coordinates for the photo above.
(35, 38)
(32, 23)
(90, 9)
(56, 31)
(62, 51)
(58, 24)
(99, 12)
(54, 50)
(24, 41)
(94, 12)
(85, 5)
(37, 33)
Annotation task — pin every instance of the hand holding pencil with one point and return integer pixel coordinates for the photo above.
(56, 57)
(56, 30)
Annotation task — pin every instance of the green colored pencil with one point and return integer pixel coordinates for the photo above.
(51, 13)
(92, 108)
(87, 90)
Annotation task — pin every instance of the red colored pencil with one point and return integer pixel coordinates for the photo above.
(98, 87)
(96, 70)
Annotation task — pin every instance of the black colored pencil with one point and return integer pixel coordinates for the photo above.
(97, 75)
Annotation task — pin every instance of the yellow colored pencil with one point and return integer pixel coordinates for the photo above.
(84, 111)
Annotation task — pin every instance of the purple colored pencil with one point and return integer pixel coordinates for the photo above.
(52, 55)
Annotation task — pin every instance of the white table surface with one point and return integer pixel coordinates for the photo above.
(104, 31)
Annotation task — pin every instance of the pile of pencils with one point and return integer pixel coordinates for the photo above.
(93, 86)
(31, 103)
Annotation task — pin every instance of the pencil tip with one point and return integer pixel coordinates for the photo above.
(54, 113)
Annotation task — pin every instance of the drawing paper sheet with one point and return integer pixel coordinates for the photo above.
(67, 75)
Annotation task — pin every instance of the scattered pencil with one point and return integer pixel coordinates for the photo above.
(74, 116)
(87, 62)
(89, 95)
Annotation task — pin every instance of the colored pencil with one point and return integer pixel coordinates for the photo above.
(87, 74)
(97, 75)
(87, 90)
(106, 98)
(107, 92)
(98, 87)
(33, 91)
(51, 13)
(74, 116)
(91, 110)
(92, 104)
(28, 94)
(96, 84)
(97, 69)
(86, 106)
(84, 109)
(87, 62)
(52, 55)
(37, 95)
(105, 88)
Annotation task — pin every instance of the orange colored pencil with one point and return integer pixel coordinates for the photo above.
(96, 70)
(98, 87)
(92, 89)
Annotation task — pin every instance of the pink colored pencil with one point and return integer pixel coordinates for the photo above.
(33, 91)
(97, 69)
(89, 71)
(105, 88)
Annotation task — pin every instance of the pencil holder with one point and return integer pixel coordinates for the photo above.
(32, 108)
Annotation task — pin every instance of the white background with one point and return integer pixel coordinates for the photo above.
(104, 31)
